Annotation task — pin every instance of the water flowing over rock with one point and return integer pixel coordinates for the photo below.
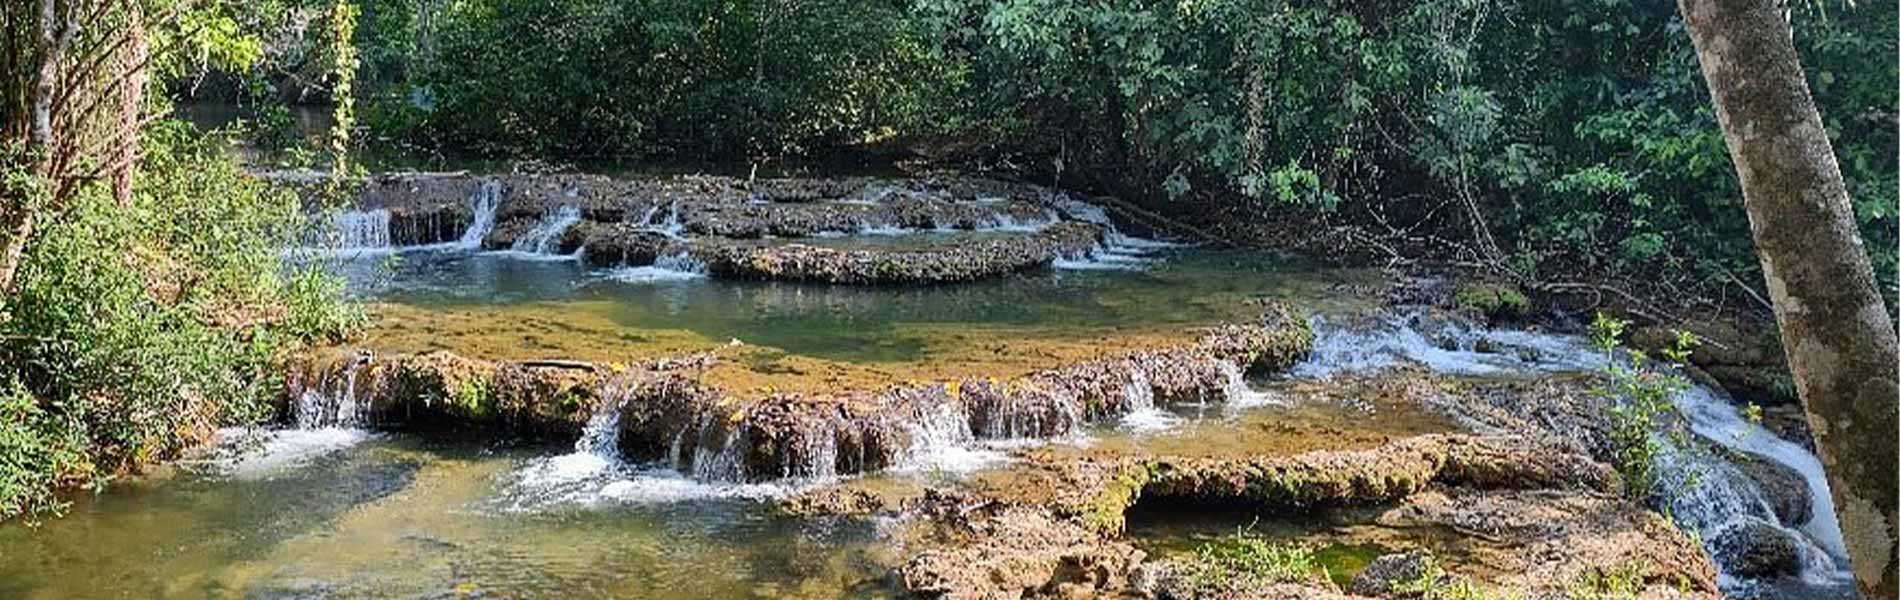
(326, 395)
(361, 230)
(741, 229)
(665, 412)
(545, 234)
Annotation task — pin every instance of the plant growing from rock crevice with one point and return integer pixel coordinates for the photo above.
(1643, 419)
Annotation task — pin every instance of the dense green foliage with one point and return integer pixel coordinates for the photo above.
(1547, 140)
(1550, 137)
(639, 77)
(136, 330)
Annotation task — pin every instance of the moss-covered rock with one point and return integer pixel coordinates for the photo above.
(1493, 300)
(950, 263)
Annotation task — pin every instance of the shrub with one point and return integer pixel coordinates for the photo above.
(138, 328)
(1643, 420)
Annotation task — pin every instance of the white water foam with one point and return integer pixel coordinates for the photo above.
(671, 267)
(246, 453)
(1149, 420)
(1444, 346)
(547, 232)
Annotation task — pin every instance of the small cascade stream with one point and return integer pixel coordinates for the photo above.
(1703, 491)
(541, 240)
(361, 231)
(482, 204)
(331, 401)
(1118, 251)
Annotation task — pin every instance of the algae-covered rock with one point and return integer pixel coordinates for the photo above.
(981, 550)
(1383, 474)
(956, 262)
(1493, 300)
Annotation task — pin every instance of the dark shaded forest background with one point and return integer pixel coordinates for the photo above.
(1546, 141)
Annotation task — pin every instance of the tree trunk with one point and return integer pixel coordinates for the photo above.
(1839, 340)
(132, 63)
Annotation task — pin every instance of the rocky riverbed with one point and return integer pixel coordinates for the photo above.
(712, 387)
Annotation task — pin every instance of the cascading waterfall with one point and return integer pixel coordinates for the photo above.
(1238, 393)
(940, 440)
(548, 231)
(482, 205)
(1346, 344)
(817, 452)
(670, 226)
(601, 436)
(1713, 496)
(1138, 404)
(1702, 490)
(717, 451)
(1118, 251)
(332, 402)
(361, 230)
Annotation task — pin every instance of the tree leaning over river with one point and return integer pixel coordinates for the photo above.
(1835, 329)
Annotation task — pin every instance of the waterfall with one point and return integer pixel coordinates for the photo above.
(1118, 251)
(1236, 390)
(482, 203)
(1138, 403)
(646, 218)
(1701, 489)
(548, 231)
(1713, 496)
(601, 436)
(1346, 344)
(670, 225)
(332, 402)
(817, 455)
(361, 230)
(717, 453)
(940, 441)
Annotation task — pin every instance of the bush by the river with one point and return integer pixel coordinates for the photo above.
(137, 329)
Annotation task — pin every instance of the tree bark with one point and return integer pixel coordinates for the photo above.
(1840, 343)
(132, 65)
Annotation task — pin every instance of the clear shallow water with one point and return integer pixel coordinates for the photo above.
(341, 513)
(1179, 289)
(398, 517)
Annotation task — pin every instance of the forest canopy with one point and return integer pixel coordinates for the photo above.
(1541, 139)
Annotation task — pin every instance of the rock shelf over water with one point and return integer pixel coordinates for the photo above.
(743, 229)
(1553, 514)
(667, 413)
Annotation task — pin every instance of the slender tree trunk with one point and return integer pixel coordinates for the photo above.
(1839, 340)
(52, 35)
(131, 103)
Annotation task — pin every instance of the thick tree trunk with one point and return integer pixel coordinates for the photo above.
(1839, 341)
